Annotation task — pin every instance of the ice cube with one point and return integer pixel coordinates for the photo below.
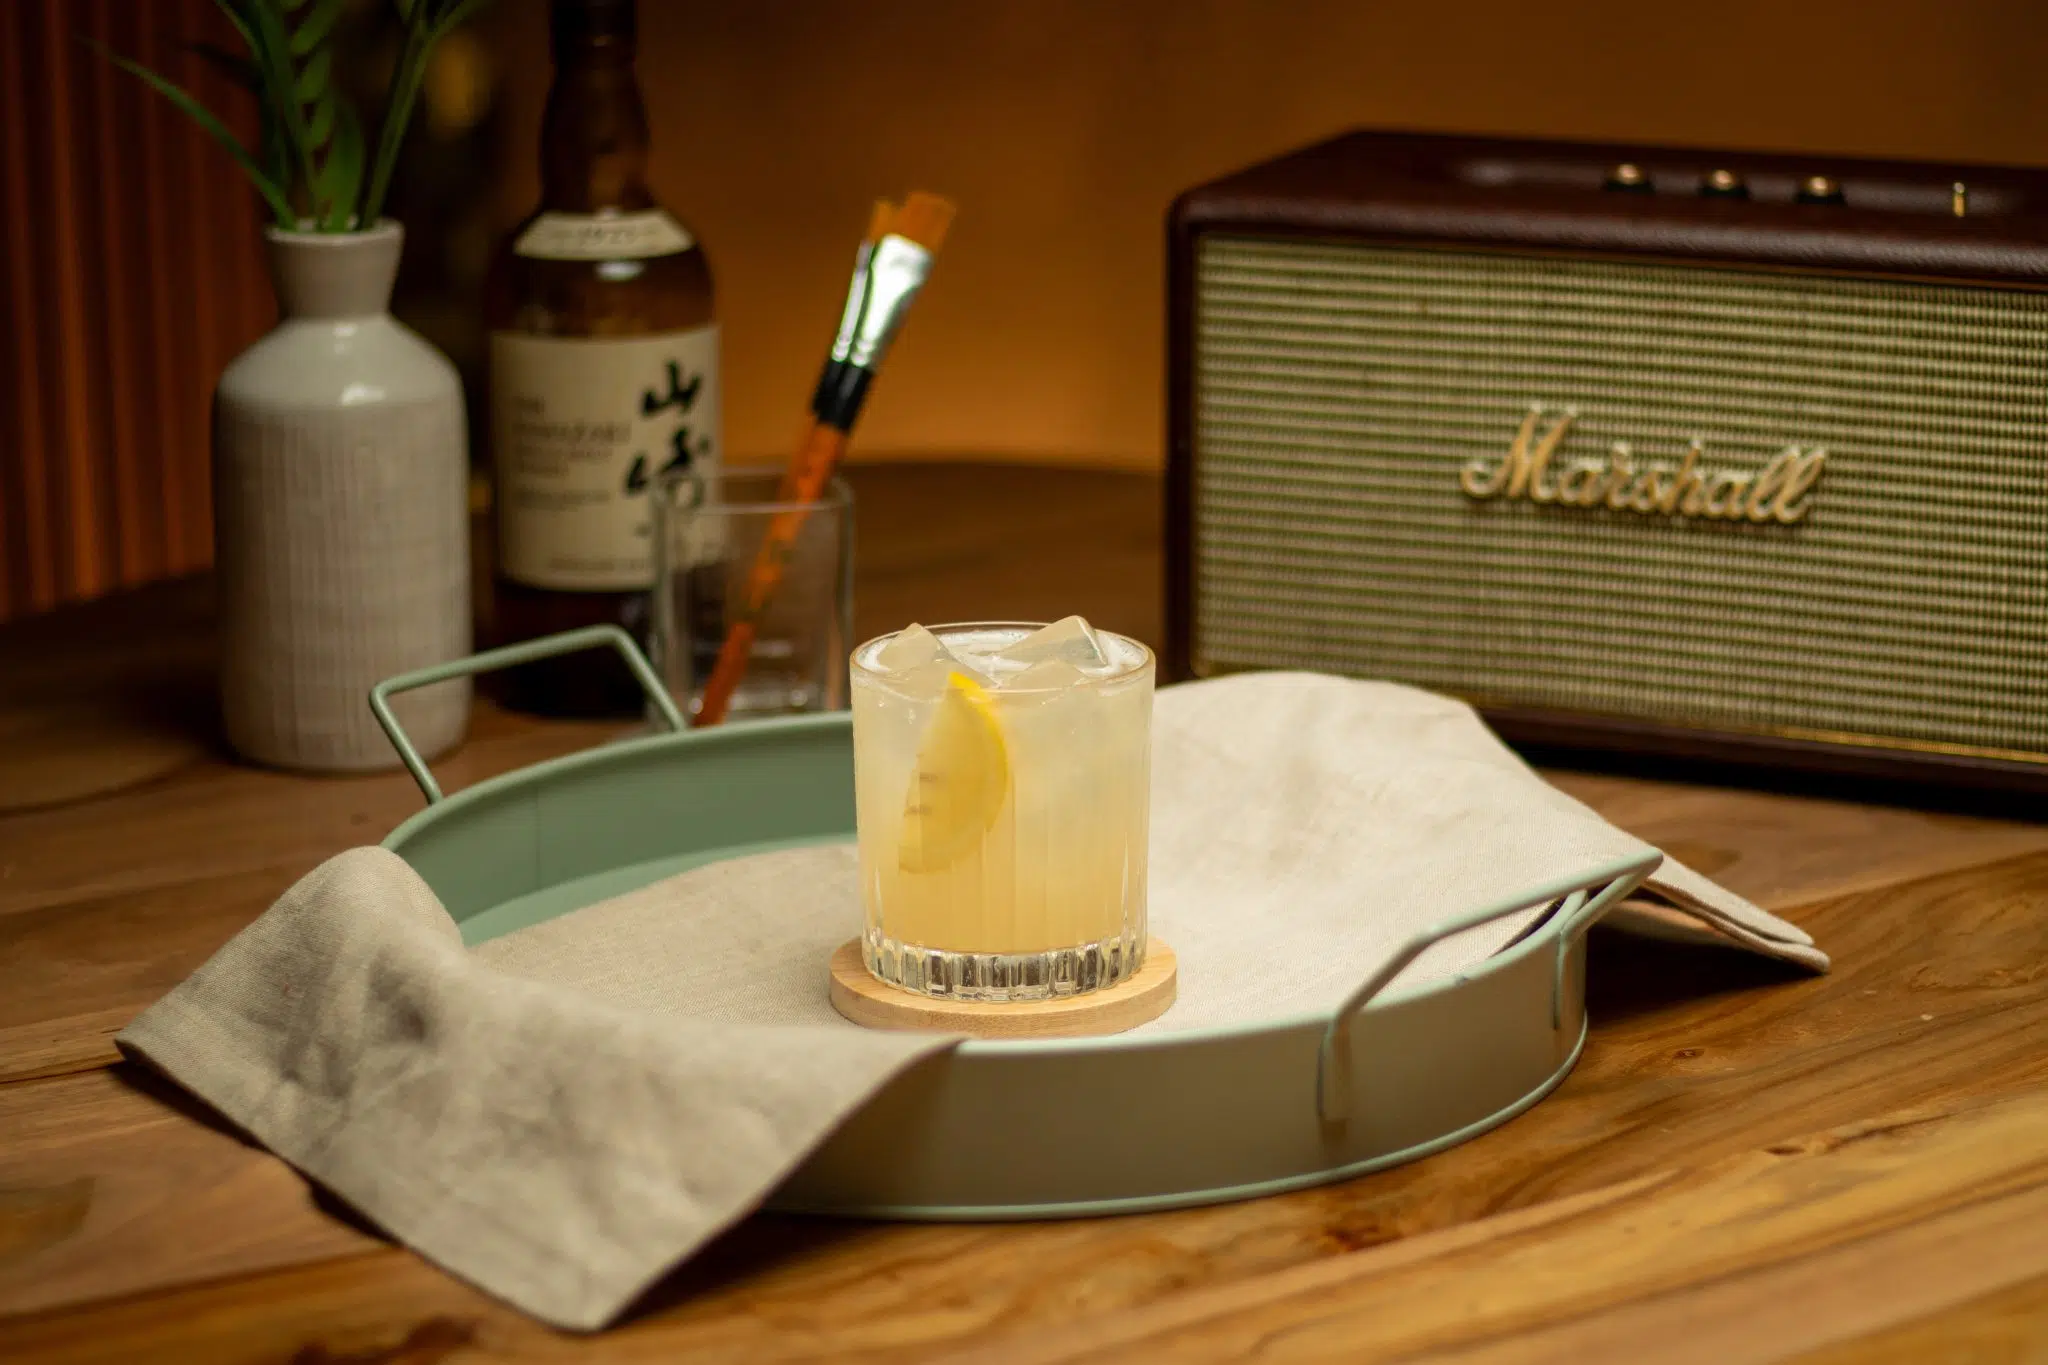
(927, 681)
(911, 647)
(917, 663)
(1071, 641)
(1045, 675)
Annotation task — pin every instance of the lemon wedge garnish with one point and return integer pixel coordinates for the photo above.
(960, 781)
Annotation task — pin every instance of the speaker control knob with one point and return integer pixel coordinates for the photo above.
(1724, 185)
(1629, 179)
(1819, 189)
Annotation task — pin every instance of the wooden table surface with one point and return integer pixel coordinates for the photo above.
(1748, 1163)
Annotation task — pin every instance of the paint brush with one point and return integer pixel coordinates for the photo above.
(887, 278)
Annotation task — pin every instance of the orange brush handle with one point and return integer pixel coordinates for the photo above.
(811, 470)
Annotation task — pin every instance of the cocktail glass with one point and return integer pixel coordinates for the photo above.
(1002, 775)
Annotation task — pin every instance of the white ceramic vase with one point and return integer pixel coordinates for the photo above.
(341, 519)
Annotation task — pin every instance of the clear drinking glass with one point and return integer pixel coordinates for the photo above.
(707, 532)
(1002, 783)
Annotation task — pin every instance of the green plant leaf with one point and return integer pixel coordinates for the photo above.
(238, 69)
(311, 82)
(271, 47)
(321, 124)
(276, 156)
(272, 106)
(398, 96)
(275, 196)
(237, 17)
(426, 24)
(341, 172)
(314, 29)
(458, 14)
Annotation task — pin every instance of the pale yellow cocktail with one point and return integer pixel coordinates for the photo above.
(1002, 777)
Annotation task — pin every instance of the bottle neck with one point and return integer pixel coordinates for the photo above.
(593, 140)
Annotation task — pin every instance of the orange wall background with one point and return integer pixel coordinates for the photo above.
(1064, 127)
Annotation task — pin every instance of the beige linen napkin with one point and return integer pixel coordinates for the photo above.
(562, 1114)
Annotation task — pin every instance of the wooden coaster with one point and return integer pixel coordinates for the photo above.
(875, 1004)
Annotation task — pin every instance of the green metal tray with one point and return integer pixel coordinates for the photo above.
(1147, 1121)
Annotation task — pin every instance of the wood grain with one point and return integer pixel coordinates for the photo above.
(1742, 1259)
(134, 1226)
(1782, 850)
(1758, 1312)
(1694, 1055)
(1140, 999)
(212, 819)
(143, 1181)
(2008, 1327)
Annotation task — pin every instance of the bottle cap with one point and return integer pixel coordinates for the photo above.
(590, 23)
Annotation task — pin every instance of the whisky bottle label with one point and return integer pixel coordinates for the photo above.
(581, 429)
(602, 236)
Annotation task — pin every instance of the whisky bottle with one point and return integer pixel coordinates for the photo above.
(603, 372)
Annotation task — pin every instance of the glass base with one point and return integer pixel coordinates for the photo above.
(761, 698)
(1001, 977)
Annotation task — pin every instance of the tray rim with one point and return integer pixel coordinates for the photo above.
(874, 1163)
(1198, 1198)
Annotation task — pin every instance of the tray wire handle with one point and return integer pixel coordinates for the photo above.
(526, 651)
(1585, 896)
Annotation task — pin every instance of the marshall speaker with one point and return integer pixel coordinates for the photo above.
(1717, 454)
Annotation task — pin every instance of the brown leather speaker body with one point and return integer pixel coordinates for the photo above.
(1719, 454)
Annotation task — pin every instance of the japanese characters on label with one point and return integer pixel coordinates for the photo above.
(581, 429)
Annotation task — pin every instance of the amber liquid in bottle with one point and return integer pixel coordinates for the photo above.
(604, 373)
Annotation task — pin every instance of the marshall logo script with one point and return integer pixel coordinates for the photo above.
(1780, 491)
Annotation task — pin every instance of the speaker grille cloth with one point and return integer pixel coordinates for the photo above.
(1339, 390)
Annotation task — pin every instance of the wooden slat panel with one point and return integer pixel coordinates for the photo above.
(119, 221)
(133, 274)
(25, 519)
(165, 373)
